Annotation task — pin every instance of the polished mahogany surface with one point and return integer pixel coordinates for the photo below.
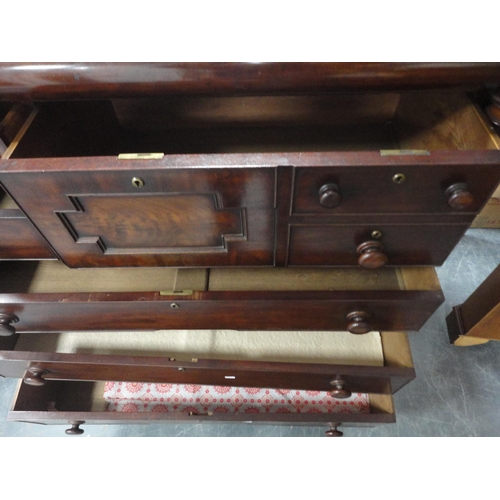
(219, 210)
(389, 310)
(19, 240)
(53, 366)
(33, 81)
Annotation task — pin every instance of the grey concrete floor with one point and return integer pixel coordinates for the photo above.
(456, 392)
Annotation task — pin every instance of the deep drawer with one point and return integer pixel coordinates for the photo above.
(81, 404)
(45, 396)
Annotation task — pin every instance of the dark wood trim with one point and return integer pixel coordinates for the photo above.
(94, 367)
(32, 81)
(104, 418)
(357, 159)
(389, 310)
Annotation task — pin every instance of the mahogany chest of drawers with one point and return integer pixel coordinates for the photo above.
(303, 197)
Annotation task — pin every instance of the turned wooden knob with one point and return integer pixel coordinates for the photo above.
(75, 430)
(334, 432)
(338, 390)
(357, 322)
(459, 196)
(330, 196)
(371, 255)
(6, 328)
(493, 110)
(34, 377)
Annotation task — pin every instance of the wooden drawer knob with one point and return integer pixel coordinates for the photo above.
(34, 377)
(338, 390)
(371, 255)
(493, 110)
(6, 328)
(330, 196)
(459, 196)
(75, 430)
(357, 322)
(334, 432)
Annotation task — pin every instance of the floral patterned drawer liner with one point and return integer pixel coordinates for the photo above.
(146, 397)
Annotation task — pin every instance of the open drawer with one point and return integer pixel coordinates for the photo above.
(255, 181)
(313, 389)
(49, 297)
(77, 403)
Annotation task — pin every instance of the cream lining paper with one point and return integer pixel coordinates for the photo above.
(184, 345)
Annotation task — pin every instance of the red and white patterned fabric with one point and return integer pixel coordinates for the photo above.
(143, 397)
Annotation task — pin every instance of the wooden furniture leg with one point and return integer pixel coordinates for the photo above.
(477, 320)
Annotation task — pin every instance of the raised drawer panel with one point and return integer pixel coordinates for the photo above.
(153, 217)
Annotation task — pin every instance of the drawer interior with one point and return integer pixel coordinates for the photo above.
(336, 348)
(188, 125)
(308, 347)
(55, 277)
(60, 402)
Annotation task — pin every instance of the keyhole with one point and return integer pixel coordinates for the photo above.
(137, 182)
(398, 178)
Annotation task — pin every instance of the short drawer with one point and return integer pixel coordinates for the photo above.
(376, 244)
(439, 139)
(402, 188)
(48, 297)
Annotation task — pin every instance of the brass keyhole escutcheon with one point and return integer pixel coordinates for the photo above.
(376, 235)
(398, 178)
(137, 182)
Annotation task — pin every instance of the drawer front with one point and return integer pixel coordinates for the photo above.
(379, 310)
(19, 239)
(152, 217)
(399, 189)
(37, 368)
(229, 210)
(338, 243)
